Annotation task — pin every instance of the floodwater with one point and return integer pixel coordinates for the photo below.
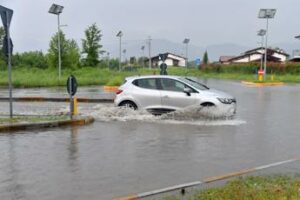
(129, 152)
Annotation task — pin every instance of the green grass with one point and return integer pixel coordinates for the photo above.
(259, 188)
(26, 77)
(253, 188)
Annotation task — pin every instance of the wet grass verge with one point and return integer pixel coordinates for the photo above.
(250, 188)
(33, 77)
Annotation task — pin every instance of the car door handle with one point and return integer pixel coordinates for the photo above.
(166, 96)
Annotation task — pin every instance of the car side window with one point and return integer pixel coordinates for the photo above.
(148, 83)
(172, 85)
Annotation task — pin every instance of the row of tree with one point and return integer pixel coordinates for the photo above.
(71, 55)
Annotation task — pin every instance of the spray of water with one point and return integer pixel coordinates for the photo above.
(191, 115)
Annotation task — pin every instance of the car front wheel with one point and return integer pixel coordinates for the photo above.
(128, 104)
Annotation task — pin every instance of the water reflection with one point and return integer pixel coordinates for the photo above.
(73, 147)
(14, 186)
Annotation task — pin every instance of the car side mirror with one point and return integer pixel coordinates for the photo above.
(188, 91)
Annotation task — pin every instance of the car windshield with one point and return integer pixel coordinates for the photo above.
(194, 83)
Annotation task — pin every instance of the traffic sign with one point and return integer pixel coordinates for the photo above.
(163, 56)
(72, 85)
(261, 72)
(163, 69)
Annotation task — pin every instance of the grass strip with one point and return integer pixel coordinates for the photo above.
(33, 77)
(252, 188)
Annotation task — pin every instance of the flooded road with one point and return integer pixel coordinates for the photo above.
(124, 153)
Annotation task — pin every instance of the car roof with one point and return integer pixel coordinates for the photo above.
(152, 76)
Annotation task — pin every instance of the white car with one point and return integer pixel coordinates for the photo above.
(160, 94)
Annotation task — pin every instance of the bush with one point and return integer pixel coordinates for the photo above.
(252, 68)
(32, 59)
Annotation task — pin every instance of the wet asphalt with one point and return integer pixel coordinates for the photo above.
(111, 158)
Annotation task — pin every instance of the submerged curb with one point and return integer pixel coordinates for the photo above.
(25, 126)
(262, 84)
(53, 99)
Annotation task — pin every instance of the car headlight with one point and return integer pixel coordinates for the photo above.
(227, 100)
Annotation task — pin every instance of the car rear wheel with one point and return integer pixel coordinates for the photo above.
(128, 104)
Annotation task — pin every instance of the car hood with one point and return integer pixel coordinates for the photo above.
(218, 94)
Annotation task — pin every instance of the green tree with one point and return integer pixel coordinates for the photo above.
(30, 59)
(73, 54)
(70, 54)
(91, 45)
(142, 61)
(132, 60)
(2, 34)
(205, 58)
(2, 58)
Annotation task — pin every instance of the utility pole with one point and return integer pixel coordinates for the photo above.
(149, 45)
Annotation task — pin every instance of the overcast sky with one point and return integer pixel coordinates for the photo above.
(205, 22)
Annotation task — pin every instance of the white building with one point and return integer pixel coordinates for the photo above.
(172, 60)
(255, 55)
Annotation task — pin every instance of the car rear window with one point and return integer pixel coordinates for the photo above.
(148, 83)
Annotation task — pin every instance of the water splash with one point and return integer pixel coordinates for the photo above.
(191, 115)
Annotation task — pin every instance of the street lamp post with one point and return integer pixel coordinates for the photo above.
(266, 14)
(57, 10)
(120, 34)
(149, 46)
(262, 33)
(143, 56)
(296, 51)
(108, 59)
(125, 59)
(186, 42)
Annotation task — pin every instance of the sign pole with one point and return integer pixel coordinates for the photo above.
(71, 98)
(9, 67)
(72, 89)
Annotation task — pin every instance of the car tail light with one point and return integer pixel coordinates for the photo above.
(119, 91)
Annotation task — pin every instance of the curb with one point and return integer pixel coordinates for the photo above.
(262, 84)
(206, 180)
(53, 99)
(24, 126)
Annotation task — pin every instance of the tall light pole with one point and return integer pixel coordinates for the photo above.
(262, 33)
(57, 10)
(295, 51)
(108, 61)
(186, 42)
(149, 45)
(125, 59)
(143, 55)
(120, 34)
(266, 14)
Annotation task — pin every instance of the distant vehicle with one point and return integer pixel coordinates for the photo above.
(161, 94)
